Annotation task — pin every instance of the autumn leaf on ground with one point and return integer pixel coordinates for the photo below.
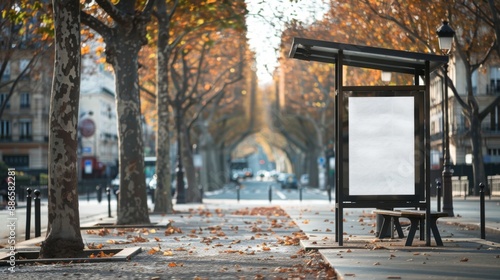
(180, 249)
(93, 246)
(101, 254)
(262, 211)
(171, 230)
(233, 252)
(139, 239)
(112, 241)
(154, 250)
(168, 253)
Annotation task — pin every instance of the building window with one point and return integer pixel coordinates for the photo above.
(494, 80)
(23, 64)
(495, 119)
(16, 160)
(25, 129)
(5, 131)
(493, 152)
(474, 82)
(6, 72)
(25, 100)
(3, 98)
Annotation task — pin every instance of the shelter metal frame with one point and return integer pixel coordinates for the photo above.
(418, 64)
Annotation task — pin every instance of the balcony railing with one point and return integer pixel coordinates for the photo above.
(26, 138)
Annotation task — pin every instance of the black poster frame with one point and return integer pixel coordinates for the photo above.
(419, 150)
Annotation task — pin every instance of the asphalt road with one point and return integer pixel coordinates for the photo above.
(91, 210)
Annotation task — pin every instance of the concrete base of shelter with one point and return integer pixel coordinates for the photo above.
(366, 257)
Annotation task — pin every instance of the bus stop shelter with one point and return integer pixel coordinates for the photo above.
(382, 133)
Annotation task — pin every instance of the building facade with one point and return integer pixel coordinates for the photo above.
(97, 126)
(486, 88)
(24, 120)
(24, 123)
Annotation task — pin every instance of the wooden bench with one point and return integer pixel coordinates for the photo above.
(417, 219)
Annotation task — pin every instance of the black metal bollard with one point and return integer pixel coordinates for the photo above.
(38, 228)
(238, 188)
(99, 193)
(329, 193)
(153, 191)
(438, 190)
(300, 193)
(108, 193)
(270, 193)
(481, 210)
(28, 214)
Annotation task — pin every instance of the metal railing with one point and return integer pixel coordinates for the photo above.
(460, 185)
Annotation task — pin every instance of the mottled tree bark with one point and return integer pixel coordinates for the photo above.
(163, 197)
(123, 41)
(63, 232)
(132, 206)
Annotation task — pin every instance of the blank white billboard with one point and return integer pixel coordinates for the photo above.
(381, 145)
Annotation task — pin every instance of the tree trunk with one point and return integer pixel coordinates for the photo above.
(313, 168)
(63, 232)
(479, 173)
(163, 196)
(193, 194)
(124, 37)
(132, 206)
(211, 176)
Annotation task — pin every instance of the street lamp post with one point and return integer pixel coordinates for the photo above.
(179, 169)
(445, 34)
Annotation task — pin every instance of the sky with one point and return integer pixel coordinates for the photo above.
(264, 28)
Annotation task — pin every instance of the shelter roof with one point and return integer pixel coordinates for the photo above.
(365, 57)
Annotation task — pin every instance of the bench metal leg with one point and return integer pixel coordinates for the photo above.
(435, 232)
(413, 229)
(388, 225)
(422, 227)
(397, 225)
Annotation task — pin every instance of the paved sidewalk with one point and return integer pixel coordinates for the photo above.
(364, 256)
(222, 239)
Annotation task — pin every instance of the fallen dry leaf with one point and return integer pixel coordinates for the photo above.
(154, 250)
(101, 254)
(139, 239)
(93, 246)
(168, 253)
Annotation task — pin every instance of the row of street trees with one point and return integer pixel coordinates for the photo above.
(198, 53)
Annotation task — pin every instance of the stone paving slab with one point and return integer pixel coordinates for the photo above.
(461, 259)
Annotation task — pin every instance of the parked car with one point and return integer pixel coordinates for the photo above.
(152, 185)
(288, 181)
(115, 184)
